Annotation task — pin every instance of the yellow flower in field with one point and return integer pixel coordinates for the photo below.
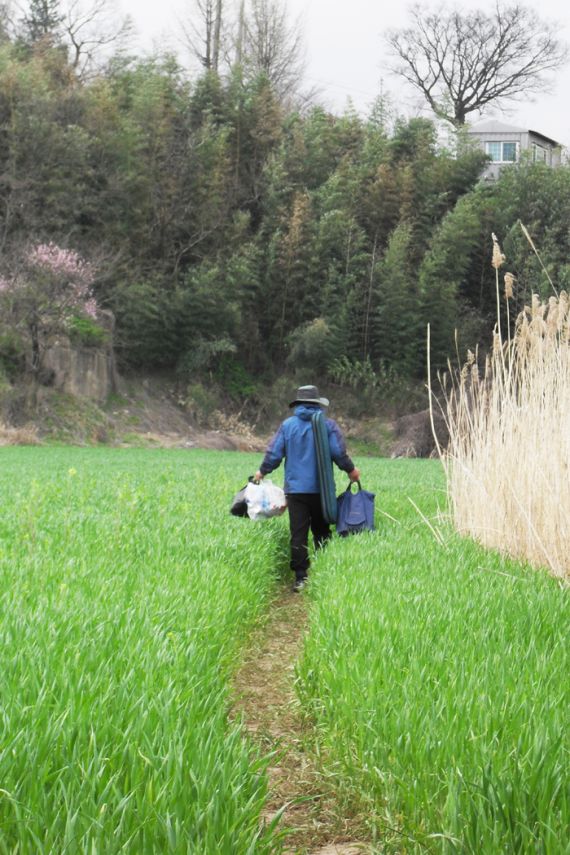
(72, 471)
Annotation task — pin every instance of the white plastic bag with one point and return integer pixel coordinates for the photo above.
(264, 500)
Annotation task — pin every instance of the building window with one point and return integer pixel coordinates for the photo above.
(538, 153)
(502, 152)
(493, 149)
(509, 152)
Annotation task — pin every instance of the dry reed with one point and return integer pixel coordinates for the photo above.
(508, 459)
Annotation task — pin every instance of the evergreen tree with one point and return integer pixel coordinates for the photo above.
(243, 281)
(441, 277)
(43, 20)
(288, 273)
(356, 285)
(395, 333)
(207, 316)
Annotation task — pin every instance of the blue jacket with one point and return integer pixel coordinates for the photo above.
(295, 442)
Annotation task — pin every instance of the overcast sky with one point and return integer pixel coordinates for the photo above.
(346, 56)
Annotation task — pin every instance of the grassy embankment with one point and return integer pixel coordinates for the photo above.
(126, 593)
(437, 675)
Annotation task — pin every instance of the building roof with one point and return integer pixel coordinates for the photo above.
(547, 139)
(495, 127)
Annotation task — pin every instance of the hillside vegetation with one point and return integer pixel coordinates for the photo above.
(236, 236)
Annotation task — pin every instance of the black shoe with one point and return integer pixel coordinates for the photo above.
(299, 585)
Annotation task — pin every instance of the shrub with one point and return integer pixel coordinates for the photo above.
(381, 385)
(203, 356)
(235, 380)
(85, 332)
(311, 344)
(12, 354)
(201, 403)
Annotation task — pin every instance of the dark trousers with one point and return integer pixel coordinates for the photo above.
(305, 513)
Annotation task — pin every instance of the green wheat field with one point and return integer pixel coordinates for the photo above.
(434, 675)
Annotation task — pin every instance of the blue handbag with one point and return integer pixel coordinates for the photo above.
(355, 511)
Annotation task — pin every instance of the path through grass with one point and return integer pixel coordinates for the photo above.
(312, 818)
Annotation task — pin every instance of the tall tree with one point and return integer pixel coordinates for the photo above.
(463, 61)
(395, 335)
(5, 22)
(289, 270)
(51, 288)
(442, 273)
(43, 20)
(273, 46)
(229, 229)
(204, 33)
(91, 27)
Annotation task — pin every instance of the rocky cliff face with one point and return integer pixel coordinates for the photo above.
(87, 372)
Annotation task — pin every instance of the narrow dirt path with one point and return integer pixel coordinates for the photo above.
(265, 697)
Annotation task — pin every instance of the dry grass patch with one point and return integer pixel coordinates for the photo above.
(27, 435)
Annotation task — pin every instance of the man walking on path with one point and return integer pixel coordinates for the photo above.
(295, 442)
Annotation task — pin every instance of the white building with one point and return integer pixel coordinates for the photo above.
(506, 144)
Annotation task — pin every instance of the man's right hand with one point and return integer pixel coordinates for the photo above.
(354, 475)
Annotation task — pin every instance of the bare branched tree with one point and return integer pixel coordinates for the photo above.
(204, 33)
(463, 61)
(90, 27)
(9, 22)
(5, 22)
(86, 28)
(270, 44)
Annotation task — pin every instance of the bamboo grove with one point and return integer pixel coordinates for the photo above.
(234, 235)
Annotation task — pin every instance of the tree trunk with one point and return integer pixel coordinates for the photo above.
(217, 35)
(369, 300)
(36, 354)
(460, 116)
(241, 34)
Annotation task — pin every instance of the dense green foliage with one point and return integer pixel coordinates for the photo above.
(437, 676)
(223, 221)
(218, 220)
(126, 591)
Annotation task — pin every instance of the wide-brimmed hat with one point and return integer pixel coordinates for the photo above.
(309, 395)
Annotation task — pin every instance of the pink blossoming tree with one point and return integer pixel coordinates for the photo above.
(51, 286)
